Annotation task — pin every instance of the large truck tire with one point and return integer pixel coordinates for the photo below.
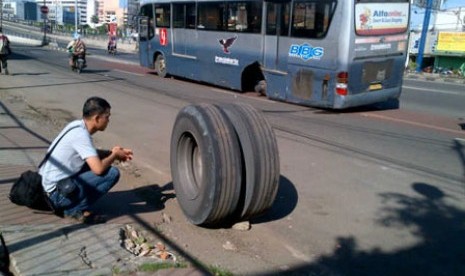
(205, 164)
(260, 159)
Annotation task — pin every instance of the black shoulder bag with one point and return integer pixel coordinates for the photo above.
(28, 190)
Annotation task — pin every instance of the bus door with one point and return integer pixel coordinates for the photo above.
(183, 29)
(274, 43)
(144, 40)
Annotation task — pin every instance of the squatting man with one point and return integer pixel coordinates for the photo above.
(76, 174)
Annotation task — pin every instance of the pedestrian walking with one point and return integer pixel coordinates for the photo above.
(76, 174)
(5, 51)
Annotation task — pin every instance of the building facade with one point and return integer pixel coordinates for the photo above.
(445, 40)
(80, 12)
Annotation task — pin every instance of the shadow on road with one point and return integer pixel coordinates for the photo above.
(285, 202)
(150, 198)
(439, 227)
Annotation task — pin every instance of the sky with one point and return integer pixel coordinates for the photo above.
(418, 14)
(454, 4)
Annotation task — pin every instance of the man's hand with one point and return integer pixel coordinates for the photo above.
(122, 154)
(98, 166)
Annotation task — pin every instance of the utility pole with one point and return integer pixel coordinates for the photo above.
(1, 14)
(75, 17)
(424, 33)
(44, 14)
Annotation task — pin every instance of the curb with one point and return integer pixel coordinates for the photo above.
(434, 77)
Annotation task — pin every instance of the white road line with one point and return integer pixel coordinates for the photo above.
(433, 90)
(237, 94)
(412, 123)
(221, 90)
(130, 73)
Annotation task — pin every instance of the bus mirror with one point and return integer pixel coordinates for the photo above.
(143, 24)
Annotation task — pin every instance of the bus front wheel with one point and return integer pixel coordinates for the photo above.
(160, 66)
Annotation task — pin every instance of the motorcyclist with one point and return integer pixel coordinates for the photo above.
(76, 48)
(5, 51)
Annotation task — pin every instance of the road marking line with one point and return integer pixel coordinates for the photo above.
(130, 73)
(221, 90)
(237, 94)
(412, 123)
(297, 254)
(432, 90)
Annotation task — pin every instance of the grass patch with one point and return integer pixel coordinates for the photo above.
(217, 271)
(151, 267)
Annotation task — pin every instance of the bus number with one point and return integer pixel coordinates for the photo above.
(163, 37)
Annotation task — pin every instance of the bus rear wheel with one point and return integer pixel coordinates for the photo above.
(160, 66)
(260, 87)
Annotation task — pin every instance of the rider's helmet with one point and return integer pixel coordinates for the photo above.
(77, 36)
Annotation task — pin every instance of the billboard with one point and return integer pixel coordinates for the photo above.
(451, 42)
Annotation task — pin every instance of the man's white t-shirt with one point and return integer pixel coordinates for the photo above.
(69, 155)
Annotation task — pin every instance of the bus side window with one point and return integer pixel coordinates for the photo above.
(244, 17)
(255, 17)
(184, 15)
(210, 15)
(237, 17)
(178, 15)
(273, 22)
(312, 19)
(271, 19)
(162, 15)
(190, 15)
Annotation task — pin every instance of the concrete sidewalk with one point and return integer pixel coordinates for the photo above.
(40, 243)
(434, 77)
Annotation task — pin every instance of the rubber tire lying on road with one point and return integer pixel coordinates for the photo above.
(205, 164)
(260, 158)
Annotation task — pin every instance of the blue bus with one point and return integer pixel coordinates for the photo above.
(321, 53)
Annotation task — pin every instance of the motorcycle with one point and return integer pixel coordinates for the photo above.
(78, 64)
(112, 46)
(112, 49)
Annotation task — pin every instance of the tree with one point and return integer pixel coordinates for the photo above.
(94, 19)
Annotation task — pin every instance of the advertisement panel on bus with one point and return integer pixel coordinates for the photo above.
(381, 18)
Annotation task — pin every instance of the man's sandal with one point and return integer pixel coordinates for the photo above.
(87, 217)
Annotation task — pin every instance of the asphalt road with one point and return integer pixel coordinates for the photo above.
(363, 191)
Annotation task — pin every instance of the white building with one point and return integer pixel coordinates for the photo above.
(445, 40)
(64, 11)
(450, 20)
